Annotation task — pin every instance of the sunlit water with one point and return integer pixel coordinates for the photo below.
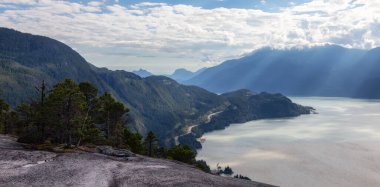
(339, 146)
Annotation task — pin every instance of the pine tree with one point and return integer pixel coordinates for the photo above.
(134, 141)
(228, 171)
(88, 131)
(66, 105)
(4, 109)
(150, 140)
(41, 112)
(182, 154)
(110, 113)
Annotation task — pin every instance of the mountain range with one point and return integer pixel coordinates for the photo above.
(157, 103)
(178, 75)
(317, 71)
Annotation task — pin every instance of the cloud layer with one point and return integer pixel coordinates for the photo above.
(154, 34)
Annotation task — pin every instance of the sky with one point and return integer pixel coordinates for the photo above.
(163, 35)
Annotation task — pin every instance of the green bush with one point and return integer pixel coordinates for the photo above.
(182, 154)
(201, 164)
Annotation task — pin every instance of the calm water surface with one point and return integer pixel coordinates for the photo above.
(339, 146)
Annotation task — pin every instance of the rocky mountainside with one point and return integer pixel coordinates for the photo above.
(318, 71)
(21, 167)
(157, 103)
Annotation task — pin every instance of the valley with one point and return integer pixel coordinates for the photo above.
(157, 103)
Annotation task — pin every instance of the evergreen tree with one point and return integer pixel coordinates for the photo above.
(109, 113)
(182, 153)
(134, 141)
(201, 164)
(4, 109)
(228, 171)
(89, 91)
(68, 114)
(150, 141)
(40, 110)
(66, 105)
(88, 131)
(27, 128)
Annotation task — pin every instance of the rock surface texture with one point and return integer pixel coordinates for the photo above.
(21, 167)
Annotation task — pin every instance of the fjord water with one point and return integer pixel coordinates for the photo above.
(339, 146)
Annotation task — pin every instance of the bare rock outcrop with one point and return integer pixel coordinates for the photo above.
(110, 151)
(21, 167)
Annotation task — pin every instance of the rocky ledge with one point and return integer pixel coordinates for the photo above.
(22, 167)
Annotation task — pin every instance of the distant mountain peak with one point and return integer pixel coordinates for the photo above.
(326, 70)
(142, 73)
(182, 70)
(183, 74)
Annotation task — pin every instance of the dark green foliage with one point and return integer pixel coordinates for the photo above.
(88, 133)
(201, 164)
(29, 134)
(161, 152)
(160, 104)
(182, 153)
(28, 119)
(190, 140)
(70, 110)
(157, 103)
(228, 171)
(69, 115)
(150, 142)
(12, 123)
(66, 105)
(4, 115)
(109, 113)
(134, 142)
(89, 91)
(242, 177)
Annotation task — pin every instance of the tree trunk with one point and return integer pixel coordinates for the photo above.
(5, 124)
(108, 125)
(78, 143)
(42, 102)
(69, 144)
(84, 124)
(68, 127)
(150, 149)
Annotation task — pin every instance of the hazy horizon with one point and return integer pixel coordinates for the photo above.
(161, 36)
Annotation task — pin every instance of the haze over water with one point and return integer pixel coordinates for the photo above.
(339, 146)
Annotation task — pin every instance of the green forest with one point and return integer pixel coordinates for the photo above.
(74, 115)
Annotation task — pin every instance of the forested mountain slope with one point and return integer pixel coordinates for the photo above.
(318, 71)
(157, 103)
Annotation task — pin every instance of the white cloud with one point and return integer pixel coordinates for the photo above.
(184, 31)
(95, 3)
(28, 2)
